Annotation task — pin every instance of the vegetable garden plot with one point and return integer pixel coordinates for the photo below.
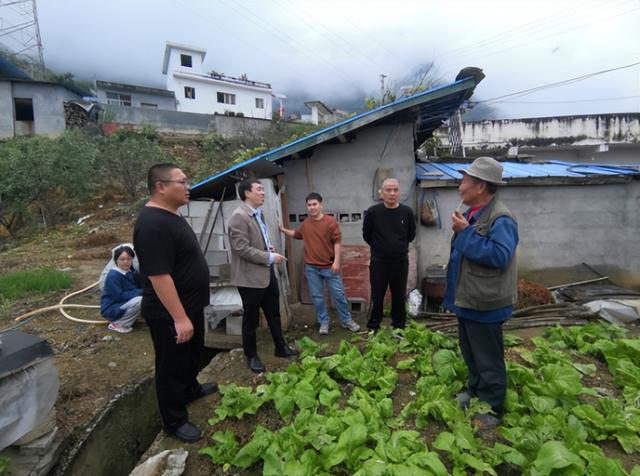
(350, 413)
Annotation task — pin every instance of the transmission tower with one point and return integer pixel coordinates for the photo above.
(20, 32)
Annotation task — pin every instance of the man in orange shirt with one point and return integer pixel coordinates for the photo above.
(322, 246)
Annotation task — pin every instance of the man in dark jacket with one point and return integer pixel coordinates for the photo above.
(482, 284)
(388, 228)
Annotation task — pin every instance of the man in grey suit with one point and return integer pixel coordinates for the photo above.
(252, 261)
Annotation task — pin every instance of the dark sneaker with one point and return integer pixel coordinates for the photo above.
(205, 389)
(464, 400)
(485, 421)
(188, 433)
(255, 364)
(288, 351)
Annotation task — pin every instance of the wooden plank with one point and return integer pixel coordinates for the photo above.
(205, 227)
(291, 260)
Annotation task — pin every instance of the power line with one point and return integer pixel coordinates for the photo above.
(544, 23)
(600, 20)
(371, 37)
(619, 98)
(535, 40)
(209, 21)
(565, 82)
(283, 37)
(336, 35)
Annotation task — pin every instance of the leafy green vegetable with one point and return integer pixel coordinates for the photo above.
(339, 415)
(224, 447)
(555, 455)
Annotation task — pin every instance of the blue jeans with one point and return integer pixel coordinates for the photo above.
(316, 277)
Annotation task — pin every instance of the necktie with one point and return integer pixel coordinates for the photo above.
(263, 228)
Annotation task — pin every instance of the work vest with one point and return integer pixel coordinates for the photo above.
(480, 287)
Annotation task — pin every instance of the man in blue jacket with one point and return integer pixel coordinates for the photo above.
(482, 284)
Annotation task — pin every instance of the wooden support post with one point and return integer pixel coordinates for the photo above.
(291, 261)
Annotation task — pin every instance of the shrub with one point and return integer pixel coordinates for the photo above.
(39, 177)
(125, 158)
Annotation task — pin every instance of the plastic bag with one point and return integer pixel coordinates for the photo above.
(415, 302)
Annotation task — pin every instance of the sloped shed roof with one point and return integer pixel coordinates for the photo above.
(428, 109)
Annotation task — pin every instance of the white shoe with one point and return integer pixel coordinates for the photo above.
(114, 326)
(351, 325)
(324, 329)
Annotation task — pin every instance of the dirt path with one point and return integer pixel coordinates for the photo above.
(93, 363)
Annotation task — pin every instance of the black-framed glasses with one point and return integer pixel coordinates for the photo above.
(184, 182)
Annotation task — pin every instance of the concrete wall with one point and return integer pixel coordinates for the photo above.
(561, 130)
(137, 98)
(6, 106)
(185, 122)
(560, 228)
(48, 108)
(344, 175)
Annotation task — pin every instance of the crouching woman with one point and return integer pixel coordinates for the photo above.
(122, 296)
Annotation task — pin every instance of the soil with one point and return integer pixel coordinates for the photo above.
(94, 364)
(532, 294)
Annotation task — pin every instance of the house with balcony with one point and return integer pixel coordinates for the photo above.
(212, 92)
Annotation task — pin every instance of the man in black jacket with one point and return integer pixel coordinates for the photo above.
(388, 228)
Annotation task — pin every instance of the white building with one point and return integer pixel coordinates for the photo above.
(209, 93)
(596, 138)
(322, 114)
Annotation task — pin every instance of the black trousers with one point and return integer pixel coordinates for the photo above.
(177, 366)
(482, 347)
(391, 274)
(253, 299)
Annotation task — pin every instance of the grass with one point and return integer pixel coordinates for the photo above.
(16, 284)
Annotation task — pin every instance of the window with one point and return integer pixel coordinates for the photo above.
(189, 92)
(148, 104)
(24, 109)
(226, 98)
(185, 60)
(259, 103)
(118, 99)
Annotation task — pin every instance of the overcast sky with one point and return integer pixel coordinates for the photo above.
(336, 49)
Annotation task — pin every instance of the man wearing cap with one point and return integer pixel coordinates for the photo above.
(482, 284)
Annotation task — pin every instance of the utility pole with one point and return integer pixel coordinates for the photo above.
(382, 90)
(20, 31)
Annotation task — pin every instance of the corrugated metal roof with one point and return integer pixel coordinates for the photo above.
(134, 88)
(444, 171)
(428, 108)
